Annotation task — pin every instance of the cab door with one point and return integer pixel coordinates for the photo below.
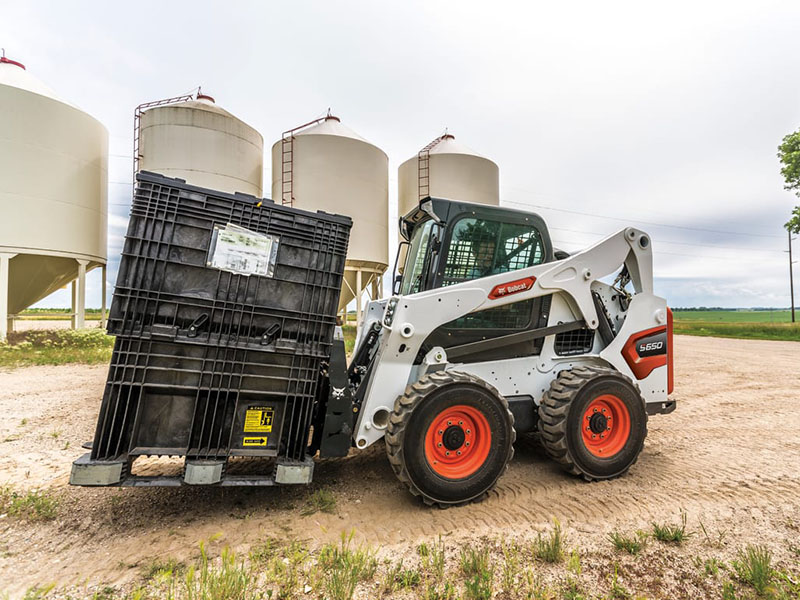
(478, 246)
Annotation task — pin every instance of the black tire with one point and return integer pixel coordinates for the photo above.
(561, 421)
(414, 414)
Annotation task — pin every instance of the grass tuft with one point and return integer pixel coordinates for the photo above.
(474, 561)
(344, 566)
(550, 548)
(753, 566)
(319, 501)
(632, 544)
(671, 533)
(32, 505)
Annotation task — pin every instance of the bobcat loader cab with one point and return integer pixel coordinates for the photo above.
(492, 332)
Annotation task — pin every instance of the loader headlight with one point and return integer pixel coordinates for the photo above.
(388, 316)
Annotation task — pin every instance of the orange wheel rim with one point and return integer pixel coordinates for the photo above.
(605, 426)
(457, 442)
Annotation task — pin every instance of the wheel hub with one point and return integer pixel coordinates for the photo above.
(453, 437)
(598, 423)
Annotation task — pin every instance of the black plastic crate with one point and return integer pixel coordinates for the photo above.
(166, 398)
(166, 289)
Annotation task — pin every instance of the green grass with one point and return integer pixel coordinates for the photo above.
(30, 505)
(550, 548)
(319, 501)
(734, 316)
(750, 324)
(670, 532)
(754, 567)
(632, 544)
(56, 347)
(343, 566)
(349, 332)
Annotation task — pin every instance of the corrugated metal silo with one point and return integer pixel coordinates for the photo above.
(324, 165)
(53, 194)
(200, 142)
(446, 169)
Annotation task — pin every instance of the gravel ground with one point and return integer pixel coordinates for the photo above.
(729, 457)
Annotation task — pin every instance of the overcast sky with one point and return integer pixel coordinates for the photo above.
(600, 115)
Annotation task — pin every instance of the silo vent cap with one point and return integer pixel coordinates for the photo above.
(8, 61)
(206, 97)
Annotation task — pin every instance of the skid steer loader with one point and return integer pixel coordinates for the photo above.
(490, 332)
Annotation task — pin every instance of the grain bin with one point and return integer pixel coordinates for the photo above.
(446, 169)
(53, 194)
(324, 165)
(196, 140)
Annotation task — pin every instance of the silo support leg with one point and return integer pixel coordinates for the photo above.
(80, 314)
(103, 297)
(359, 292)
(5, 258)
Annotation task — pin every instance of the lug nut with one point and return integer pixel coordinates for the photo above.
(468, 432)
(595, 410)
(466, 443)
(608, 428)
(449, 422)
(441, 432)
(593, 436)
(604, 410)
(447, 453)
(440, 444)
(461, 422)
(459, 452)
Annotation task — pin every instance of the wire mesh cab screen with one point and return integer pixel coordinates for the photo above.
(482, 247)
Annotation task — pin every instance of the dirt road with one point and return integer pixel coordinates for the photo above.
(729, 456)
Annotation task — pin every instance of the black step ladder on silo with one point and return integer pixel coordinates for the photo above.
(287, 158)
(423, 166)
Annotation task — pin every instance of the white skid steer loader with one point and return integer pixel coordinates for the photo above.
(490, 333)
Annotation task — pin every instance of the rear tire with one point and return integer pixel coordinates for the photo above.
(450, 438)
(593, 422)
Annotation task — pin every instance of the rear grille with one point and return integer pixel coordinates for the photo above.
(577, 341)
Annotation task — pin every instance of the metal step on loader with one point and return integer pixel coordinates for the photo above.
(490, 332)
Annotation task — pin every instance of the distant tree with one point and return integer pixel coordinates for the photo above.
(793, 224)
(789, 155)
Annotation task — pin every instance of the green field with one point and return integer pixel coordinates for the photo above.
(749, 324)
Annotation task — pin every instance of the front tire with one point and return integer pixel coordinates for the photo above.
(593, 422)
(450, 438)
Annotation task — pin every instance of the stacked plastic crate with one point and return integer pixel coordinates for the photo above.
(224, 311)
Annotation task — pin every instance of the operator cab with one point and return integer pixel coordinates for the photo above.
(452, 242)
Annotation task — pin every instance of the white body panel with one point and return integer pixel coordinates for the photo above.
(570, 281)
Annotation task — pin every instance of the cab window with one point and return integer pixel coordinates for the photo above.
(481, 247)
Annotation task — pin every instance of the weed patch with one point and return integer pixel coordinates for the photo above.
(550, 548)
(319, 501)
(32, 505)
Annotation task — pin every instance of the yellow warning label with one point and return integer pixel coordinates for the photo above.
(258, 419)
(255, 441)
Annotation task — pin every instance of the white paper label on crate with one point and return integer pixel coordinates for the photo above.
(242, 251)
